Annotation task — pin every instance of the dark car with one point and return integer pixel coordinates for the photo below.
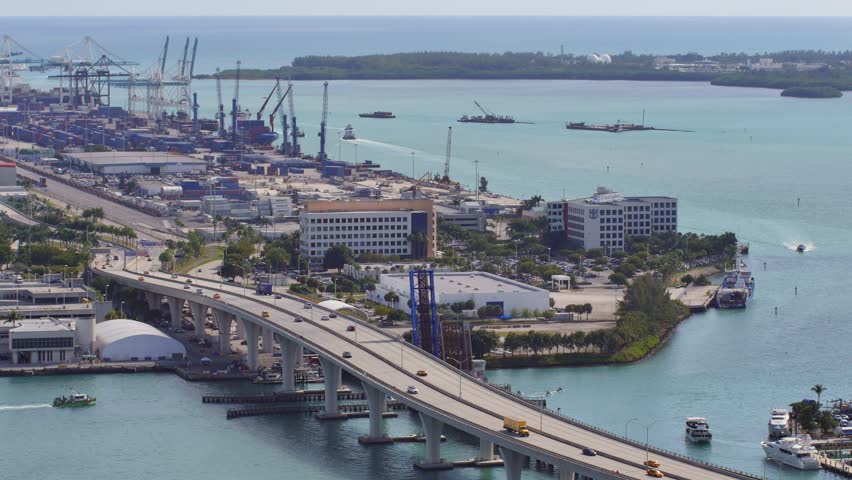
(589, 452)
(332, 315)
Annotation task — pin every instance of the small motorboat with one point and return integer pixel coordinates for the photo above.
(801, 248)
(74, 400)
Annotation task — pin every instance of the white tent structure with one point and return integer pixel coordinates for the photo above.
(129, 340)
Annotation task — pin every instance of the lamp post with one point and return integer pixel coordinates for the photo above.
(121, 309)
(106, 292)
(459, 363)
(626, 424)
(647, 442)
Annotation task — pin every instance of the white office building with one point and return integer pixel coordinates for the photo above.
(481, 287)
(607, 218)
(385, 227)
(40, 341)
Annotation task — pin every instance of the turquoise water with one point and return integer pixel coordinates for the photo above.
(751, 155)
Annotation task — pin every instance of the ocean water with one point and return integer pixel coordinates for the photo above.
(751, 154)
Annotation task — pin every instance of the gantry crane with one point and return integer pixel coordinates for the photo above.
(295, 129)
(265, 102)
(322, 155)
(221, 113)
(449, 150)
(283, 116)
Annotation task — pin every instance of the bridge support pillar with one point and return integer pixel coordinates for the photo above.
(486, 451)
(154, 301)
(241, 331)
(175, 307)
(377, 402)
(514, 463)
(268, 341)
(291, 356)
(331, 374)
(223, 320)
(199, 314)
(432, 428)
(252, 334)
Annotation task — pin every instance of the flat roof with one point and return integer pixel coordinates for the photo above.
(43, 325)
(472, 282)
(134, 158)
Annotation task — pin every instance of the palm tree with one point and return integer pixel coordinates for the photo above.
(12, 317)
(818, 389)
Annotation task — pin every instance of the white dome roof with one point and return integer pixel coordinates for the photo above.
(605, 58)
(128, 340)
(334, 305)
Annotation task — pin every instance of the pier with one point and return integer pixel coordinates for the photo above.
(346, 411)
(835, 466)
(284, 397)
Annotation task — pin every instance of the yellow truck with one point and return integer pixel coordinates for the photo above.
(518, 427)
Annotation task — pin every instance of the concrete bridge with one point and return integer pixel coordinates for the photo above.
(387, 366)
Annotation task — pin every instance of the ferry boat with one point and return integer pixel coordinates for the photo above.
(269, 377)
(697, 430)
(349, 133)
(779, 423)
(75, 400)
(737, 286)
(796, 452)
(377, 115)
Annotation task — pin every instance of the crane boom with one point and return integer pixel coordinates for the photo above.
(165, 53)
(486, 112)
(192, 61)
(265, 102)
(294, 128)
(277, 107)
(183, 61)
(322, 155)
(449, 150)
(237, 84)
(220, 106)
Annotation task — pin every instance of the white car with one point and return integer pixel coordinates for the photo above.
(307, 306)
(413, 390)
(199, 291)
(324, 318)
(347, 355)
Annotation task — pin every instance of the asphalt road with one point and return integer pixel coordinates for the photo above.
(459, 398)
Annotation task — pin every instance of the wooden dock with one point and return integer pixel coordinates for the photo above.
(835, 466)
(284, 397)
(353, 410)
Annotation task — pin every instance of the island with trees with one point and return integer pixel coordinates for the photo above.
(809, 69)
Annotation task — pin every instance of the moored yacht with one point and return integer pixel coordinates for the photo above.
(697, 430)
(796, 452)
(779, 423)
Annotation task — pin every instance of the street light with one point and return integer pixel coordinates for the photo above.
(121, 309)
(459, 363)
(626, 424)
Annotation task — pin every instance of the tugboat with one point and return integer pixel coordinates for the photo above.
(801, 248)
(377, 115)
(75, 400)
(349, 133)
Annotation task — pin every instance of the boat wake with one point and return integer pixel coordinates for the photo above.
(389, 146)
(794, 245)
(4, 408)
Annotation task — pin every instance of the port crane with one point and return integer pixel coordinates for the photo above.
(277, 107)
(265, 102)
(322, 155)
(295, 129)
(235, 104)
(447, 158)
(220, 115)
(483, 110)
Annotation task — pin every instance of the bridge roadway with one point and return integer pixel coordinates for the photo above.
(446, 395)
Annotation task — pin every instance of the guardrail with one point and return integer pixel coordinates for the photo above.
(570, 420)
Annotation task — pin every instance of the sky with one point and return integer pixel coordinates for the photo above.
(722, 8)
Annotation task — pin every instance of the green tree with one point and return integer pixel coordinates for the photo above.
(618, 278)
(483, 185)
(818, 389)
(337, 256)
(277, 258)
(483, 341)
(166, 259)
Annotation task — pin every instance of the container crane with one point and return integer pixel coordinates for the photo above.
(447, 158)
(277, 107)
(322, 155)
(285, 142)
(295, 129)
(221, 113)
(235, 105)
(265, 102)
(237, 84)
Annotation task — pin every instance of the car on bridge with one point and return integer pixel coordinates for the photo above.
(307, 306)
(188, 280)
(652, 463)
(298, 320)
(186, 287)
(141, 279)
(199, 291)
(589, 452)
(653, 472)
(422, 373)
(332, 315)
(324, 318)
(265, 314)
(350, 328)
(413, 390)
(347, 354)
(217, 296)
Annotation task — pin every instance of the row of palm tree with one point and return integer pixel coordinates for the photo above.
(537, 343)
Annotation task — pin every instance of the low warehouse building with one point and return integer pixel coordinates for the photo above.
(455, 287)
(129, 340)
(141, 163)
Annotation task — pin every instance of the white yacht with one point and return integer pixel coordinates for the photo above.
(779, 423)
(796, 452)
(269, 377)
(697, 430)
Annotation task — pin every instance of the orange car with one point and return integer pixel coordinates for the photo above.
(653, 472)
(422, 373)
(265, 314)
(652, 463)
(141, 279)
(217, 296)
